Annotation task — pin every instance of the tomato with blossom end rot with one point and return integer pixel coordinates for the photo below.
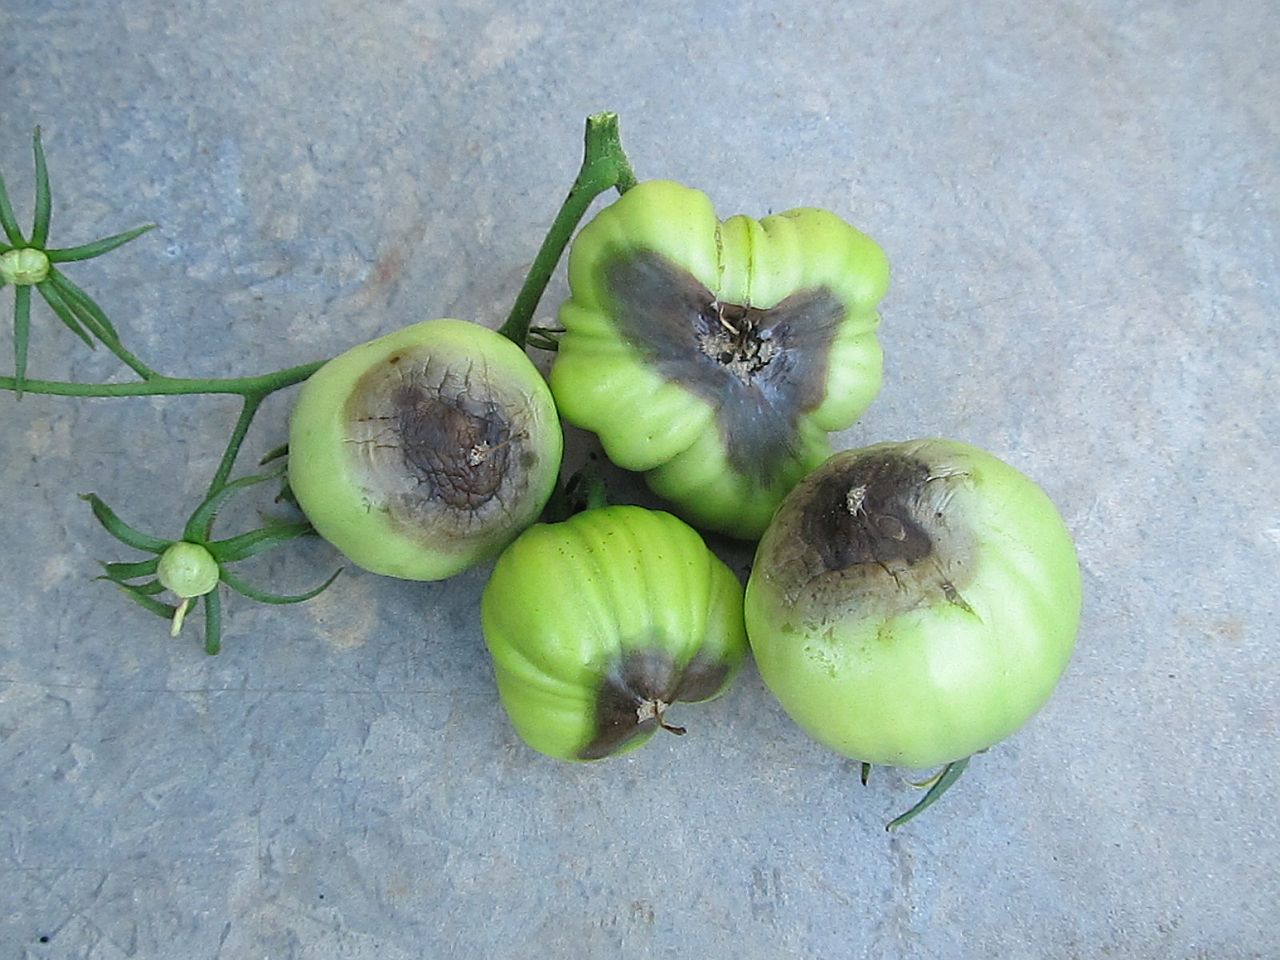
(913, 603)
(715, 357)
(424, 452)
(599, 624)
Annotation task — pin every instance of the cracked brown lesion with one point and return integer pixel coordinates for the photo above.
(761, 369)
(739, 343)
(456, 448)
(440, 447)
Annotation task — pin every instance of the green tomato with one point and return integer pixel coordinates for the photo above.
(913, 603)
(715, 356)
(426, 451)
(25, 266)
(598, 624)
(188, 569)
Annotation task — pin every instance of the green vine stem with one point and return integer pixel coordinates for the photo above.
(604, 167)
(161, 386)
(27, 262)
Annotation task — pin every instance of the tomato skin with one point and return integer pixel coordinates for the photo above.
(572, 606)
(916, 664)
(722, 428)
(388, 520)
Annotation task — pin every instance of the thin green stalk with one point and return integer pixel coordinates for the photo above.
(252, 402)
(131, 571)
(121, 530)
(246, 589)
(78, 323)
(938, 785)
(82, 303)
(246, 545)
(604, 167)
(91, 315)
(212, 622)
(162, 386)
(87, 251)
(21, 337)
(203, 517)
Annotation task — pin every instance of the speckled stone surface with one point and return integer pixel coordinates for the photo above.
(1080, 204)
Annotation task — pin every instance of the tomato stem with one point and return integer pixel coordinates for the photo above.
(162, 386)
(585, 489)
(656, 710)
(604, 167)
(234, 442)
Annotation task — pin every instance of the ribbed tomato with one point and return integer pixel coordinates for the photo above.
(716, 356)
(597, 625)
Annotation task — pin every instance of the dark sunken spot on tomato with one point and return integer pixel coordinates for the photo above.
(760, 368)
(868, 513)
(456, 447)
(641, 681)
(437, 447)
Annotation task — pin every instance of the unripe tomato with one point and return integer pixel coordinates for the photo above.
(597, 625)
(187, 569)
(716, 357)
(426, 451)
(913, 603)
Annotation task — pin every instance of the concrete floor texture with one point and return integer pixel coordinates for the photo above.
(1079, 201)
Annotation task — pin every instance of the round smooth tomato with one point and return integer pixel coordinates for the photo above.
(188, 569)
(714, 356)
(426, 451)
(913, 603)
(597, 625)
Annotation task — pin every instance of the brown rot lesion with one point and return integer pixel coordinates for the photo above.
(874, 529)
(456, 449)
(762, 368)
(638, 689)
(869, 514)
(438, 445)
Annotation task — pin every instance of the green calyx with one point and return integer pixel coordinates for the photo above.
(192, 568)
(24, 267)
(27, 261)
(188, 569)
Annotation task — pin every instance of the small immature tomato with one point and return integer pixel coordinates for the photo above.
(716, 357)
(187, 569)
(598, 624)
(913, 603)
(426, 451)
(25, 266)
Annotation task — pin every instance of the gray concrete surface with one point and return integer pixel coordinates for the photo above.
(1080, 204)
